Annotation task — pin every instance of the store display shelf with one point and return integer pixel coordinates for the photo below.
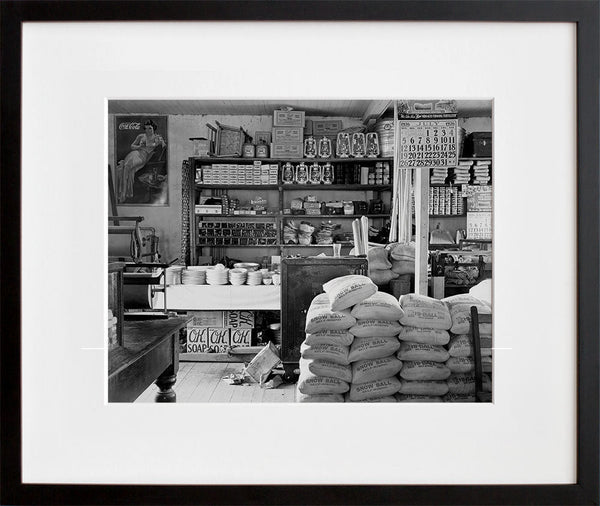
(238, 245)
(225, 186)
(475, 159)
(344, 244)
(337, 187)
(293, 160)
(335, 216)
(220, 297)
(447, 215)
(267, 215)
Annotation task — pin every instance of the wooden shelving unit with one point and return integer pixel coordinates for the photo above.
(196, 243)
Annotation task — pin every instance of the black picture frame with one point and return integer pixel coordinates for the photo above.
(585, 13)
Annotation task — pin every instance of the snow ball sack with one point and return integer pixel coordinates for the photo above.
(300, 397)
(424, 312)
(460, 346)
(387, 398)
(326, 368)
(381, 276)
(459, 398)
(423, 387)
(321, 317)
(420, 351)
(372, 328)
(335, 337)
(418, 398)
(331, 352)
(379, 306)
(312, 384)
(365, 348)
(373, 389)
(460, 311)
(346, 291)
(364, 371)
(464, 298)
(465, 383)
(460, 365)
(378, 258)
(425, 370)
(435, 337)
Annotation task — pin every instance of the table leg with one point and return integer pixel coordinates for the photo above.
(165, 384)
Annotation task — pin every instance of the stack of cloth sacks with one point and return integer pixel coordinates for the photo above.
(290, 233)
(325, 234)
(438, 175)
(424, 334)
(373, 351)
(325, 372)
(461, 383)
(380, 267)
(402, 256)
(481, 172)
(462, 173)
(305, 233)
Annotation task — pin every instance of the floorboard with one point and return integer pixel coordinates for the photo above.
(203, 382)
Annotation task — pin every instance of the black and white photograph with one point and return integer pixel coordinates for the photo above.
(310, 251)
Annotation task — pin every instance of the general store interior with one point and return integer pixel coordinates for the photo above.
(239, 293)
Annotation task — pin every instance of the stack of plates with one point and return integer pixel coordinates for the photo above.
(249, 266)
(238, 277)
(254, 278)
(217, 275)
(194, 275)
(173, 274)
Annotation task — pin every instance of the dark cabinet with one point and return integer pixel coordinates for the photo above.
(301, 280)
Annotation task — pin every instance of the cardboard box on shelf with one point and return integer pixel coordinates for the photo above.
(287, 150)
(206, 319)
(239, 319)
(283, 118)
(285, 135)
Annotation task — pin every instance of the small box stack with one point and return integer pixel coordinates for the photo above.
(288, 134)
(438, 175)
(462, 172)
(238, 174)
(217, 331)
(481, 172)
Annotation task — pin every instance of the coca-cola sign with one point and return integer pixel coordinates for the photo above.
(129, 125)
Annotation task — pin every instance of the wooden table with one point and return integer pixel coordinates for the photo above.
(150, 353)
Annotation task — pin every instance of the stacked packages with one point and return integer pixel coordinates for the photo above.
(462, 172)
(363, 345)
(481, 172)
(424, 333)
(438, 175)
(372, 354)
(461, 383)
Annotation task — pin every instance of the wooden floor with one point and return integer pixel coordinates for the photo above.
(202, 382)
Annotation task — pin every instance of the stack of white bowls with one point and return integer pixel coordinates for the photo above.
(217, 275)
(194, 275)
(249, 266)
(254, 278)
(238, 277)
(173, 274)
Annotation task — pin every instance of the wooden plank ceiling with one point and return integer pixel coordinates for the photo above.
(363, 109)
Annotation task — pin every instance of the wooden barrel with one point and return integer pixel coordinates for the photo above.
(385, 131)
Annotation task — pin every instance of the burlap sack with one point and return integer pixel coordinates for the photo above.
(346, 291)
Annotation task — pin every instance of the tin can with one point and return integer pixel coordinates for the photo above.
(262, 151)
(248, 150)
